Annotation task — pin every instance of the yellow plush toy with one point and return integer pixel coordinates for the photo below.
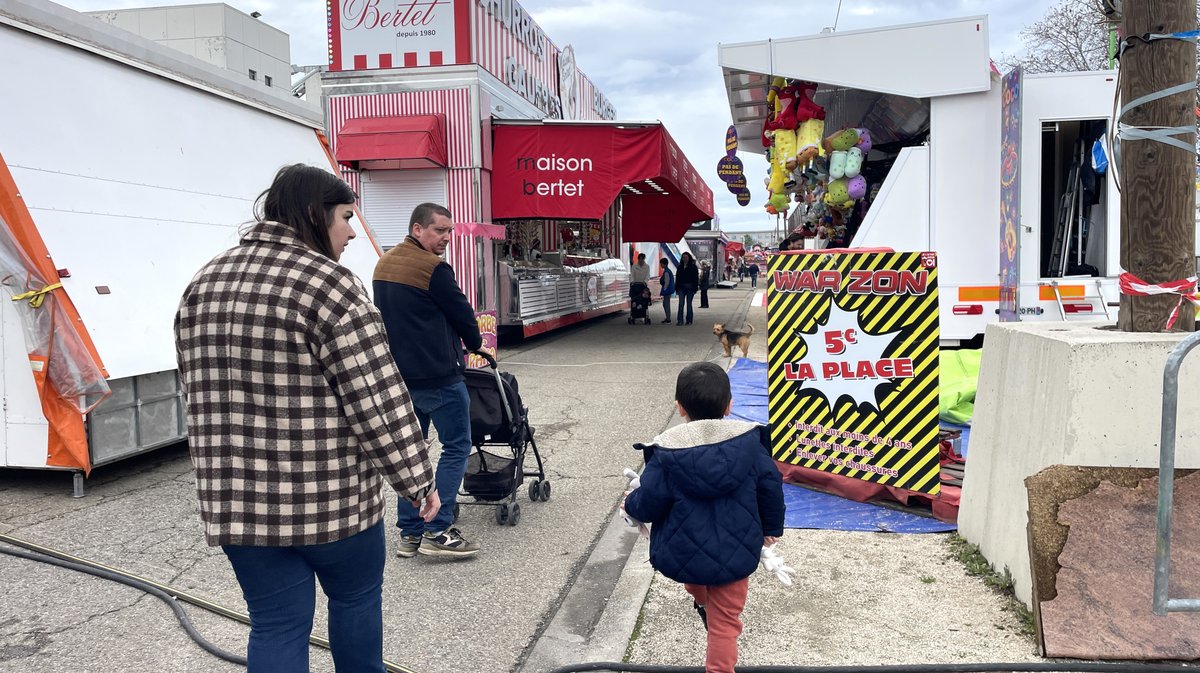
(775, 187)
(785, 148)
(808, 141)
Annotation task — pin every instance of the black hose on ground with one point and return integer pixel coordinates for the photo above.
(44, 554)
(136, 584)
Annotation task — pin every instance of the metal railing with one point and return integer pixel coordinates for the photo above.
(1166, 482)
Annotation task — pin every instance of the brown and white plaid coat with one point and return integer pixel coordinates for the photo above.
(295, 405)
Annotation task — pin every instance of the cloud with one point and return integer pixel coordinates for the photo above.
(658, 60)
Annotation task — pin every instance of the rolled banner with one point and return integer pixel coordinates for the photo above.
(729, 169)
(731, 141)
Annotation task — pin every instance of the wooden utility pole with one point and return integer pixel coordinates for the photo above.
(1158, 194)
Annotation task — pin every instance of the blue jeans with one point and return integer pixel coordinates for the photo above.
(685, 299)
(277, 583)
(666, 300)
(449, 408)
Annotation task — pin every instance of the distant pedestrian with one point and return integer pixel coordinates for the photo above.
(741, 269)
(296, 417)
(640, 271)
(753, 269)
(666, 287)
(687, 282)
(714, 499)
(705, 279)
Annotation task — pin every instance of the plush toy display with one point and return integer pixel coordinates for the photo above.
(793, 131)
(825, 192)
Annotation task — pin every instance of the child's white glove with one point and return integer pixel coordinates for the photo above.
(635, 481)
(772, 562)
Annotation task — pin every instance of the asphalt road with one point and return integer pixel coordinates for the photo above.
(528, 601)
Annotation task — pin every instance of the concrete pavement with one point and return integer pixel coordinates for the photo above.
(532, 598)
(569, 584)
(858, 598)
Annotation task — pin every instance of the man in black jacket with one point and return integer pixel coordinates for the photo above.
(428, 321)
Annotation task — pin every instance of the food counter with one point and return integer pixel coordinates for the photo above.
(538, 292)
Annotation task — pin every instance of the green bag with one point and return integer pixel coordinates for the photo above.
(958, 379)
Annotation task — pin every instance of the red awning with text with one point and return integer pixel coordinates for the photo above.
(410, 141)
(576, 171)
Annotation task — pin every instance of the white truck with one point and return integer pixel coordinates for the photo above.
(124, 167)
(933, 104)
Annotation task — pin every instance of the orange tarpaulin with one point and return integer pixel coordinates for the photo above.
(69, 374)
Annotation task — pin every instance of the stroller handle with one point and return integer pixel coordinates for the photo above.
(483, 354)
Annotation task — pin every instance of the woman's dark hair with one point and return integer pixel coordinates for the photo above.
(702, 389)
(301, 197)
(690, 259)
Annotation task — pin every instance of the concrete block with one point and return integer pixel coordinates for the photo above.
(1063, 394)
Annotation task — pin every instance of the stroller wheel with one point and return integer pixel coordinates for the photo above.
(545, 491)
(502, 514)
(535, 490)
(514, 513)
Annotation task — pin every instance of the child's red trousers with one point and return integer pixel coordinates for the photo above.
(724, 605)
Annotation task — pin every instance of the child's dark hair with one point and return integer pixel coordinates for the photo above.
(702, 389)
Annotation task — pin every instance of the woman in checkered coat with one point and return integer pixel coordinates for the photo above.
(296, 417)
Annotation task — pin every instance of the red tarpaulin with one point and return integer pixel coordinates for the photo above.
(575, 171)
(410, 141)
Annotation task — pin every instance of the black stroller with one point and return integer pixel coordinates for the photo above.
(639, 303)
(500, 436)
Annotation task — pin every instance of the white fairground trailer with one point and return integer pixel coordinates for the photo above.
(124, 166)
(933, 104)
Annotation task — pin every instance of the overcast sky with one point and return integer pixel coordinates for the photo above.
(657, 59)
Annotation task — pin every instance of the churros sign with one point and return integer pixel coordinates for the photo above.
(488, 330)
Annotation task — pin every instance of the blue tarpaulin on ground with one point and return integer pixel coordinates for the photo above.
(812, 509)
(748, 382)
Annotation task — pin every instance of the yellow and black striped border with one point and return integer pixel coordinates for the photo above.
(908, 409)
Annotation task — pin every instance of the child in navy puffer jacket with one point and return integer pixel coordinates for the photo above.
(714, 497)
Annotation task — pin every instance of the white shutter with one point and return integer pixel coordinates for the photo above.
(389, 197)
